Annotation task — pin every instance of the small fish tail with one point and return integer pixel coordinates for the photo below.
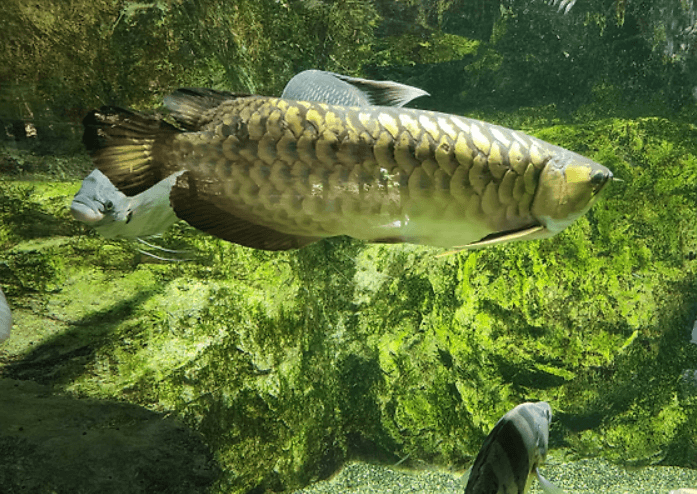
(127, 147)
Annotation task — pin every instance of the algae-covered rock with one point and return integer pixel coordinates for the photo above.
(290, 363)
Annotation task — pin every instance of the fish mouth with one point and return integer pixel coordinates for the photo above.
(599, 179)
(86, 214)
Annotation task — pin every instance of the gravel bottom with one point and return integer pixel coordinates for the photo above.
(580, 477)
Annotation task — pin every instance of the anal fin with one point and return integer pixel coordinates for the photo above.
(204, 215)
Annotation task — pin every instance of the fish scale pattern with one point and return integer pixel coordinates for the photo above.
(311, 168)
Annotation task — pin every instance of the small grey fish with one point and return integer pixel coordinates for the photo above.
(277, 174)
(5, 318)
(511, 454)
(336, 89)
(100, 205)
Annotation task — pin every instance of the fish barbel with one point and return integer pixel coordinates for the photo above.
(276, 174)
(337, 89)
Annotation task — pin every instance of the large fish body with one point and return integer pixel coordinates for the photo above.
(100, 205)
(5, 318)
(511, 454)
(274, 173)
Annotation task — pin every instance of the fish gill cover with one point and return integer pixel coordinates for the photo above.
(286, 364)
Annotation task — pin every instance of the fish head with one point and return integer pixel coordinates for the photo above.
(569, 185)
(532, 420)
(99, 204)
(543, 419)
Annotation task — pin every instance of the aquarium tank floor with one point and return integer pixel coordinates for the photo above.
(589, 476)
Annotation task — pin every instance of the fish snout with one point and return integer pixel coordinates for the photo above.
(85, 213)
(568, 186)
(599, 178)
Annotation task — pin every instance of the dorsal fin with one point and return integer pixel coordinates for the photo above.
(337, 89)
(189, 105)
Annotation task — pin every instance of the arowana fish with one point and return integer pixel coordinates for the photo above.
(512, 453)
(100, 205)
(276, 174)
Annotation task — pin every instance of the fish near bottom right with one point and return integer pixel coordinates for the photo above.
(512, 452)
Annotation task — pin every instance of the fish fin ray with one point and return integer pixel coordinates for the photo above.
(386, 93)
(504, 237)
(547, 486)
(124, 146)
(451, 252)
(206, 216)
(189, 105)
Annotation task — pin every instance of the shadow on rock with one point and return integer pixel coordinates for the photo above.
(53, 443)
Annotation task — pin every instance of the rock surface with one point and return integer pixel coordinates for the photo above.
(53, 443)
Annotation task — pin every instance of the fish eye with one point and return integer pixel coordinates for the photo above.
(599, 177)
(108, 206)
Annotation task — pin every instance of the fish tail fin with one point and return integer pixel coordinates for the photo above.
(128, 147)
(547, 486)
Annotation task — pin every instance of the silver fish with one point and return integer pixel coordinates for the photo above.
(511, 454)
(278, 174)
(100, 205)
(684, 491)
(5, 318)
(336, 89)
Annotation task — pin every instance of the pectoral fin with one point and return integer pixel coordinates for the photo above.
(530, 233)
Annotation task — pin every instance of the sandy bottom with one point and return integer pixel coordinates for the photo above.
(581, 477)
